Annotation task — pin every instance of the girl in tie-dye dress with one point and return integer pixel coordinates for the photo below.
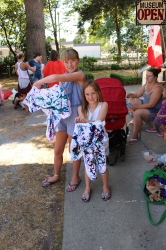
(93, 109)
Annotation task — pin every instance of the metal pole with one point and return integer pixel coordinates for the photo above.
(163, 49)
(59, 36)
(163, 43)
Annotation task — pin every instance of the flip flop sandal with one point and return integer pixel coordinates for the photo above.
(132, 141)
(74, 186)
(86, 197)
(46, 183)
(106, 196)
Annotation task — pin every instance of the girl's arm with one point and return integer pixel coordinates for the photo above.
(70, 77)
(103, 111)
(80, 117)
(101, 116)
(161, 116)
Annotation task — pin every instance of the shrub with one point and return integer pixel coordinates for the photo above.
(90, 76)
(126, 66)
(101, 67)
(128, 80)
(115, 67)
(87, 63)
(6, 65)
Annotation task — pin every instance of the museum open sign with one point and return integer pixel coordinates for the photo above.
(151, 12)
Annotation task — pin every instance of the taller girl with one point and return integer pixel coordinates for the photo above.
(72, 82)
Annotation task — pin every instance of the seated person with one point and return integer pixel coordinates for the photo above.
(17, 99)
(150, 102)
(158, 120)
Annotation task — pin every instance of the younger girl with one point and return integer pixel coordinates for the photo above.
(72, 82)
(160, 120)
(93, 108)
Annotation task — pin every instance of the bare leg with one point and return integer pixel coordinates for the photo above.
(87, 183)
(61, 138)
(106, 189)
(133, 101)
(75, 180)
(153, 125)
(162, 127)
(139, 116)
(86, 194)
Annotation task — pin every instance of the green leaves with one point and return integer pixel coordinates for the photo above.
(12, 24)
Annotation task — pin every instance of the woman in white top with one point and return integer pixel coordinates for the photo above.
(24, 85)
(21, 69)
(93, 108)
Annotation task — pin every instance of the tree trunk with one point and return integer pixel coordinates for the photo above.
(35, 29)
(117, 28)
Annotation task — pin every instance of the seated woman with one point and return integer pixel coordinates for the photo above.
(145, 101)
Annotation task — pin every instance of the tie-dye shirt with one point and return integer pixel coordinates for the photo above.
(54, 103)
(88, 141)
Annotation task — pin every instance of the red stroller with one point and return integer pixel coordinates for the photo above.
(115, 95)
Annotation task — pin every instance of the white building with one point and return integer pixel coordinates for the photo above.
(4, 51)
(83, 49)
(88, 50)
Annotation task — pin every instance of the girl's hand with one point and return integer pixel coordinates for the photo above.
(161, 116)
(38, 85)
(79, 120)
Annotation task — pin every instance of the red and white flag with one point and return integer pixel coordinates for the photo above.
(154, 48)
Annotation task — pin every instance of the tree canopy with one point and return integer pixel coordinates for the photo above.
(105, 17)
(12, 24)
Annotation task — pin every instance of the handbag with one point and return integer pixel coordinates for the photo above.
(154, 189)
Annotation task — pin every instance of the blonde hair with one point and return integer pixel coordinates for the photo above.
(70, 54)
(95, 86)
(20, 55)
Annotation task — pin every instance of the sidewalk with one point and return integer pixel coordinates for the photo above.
(120, 223)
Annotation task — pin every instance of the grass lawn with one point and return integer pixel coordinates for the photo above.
(106, 73)
(11, 82)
